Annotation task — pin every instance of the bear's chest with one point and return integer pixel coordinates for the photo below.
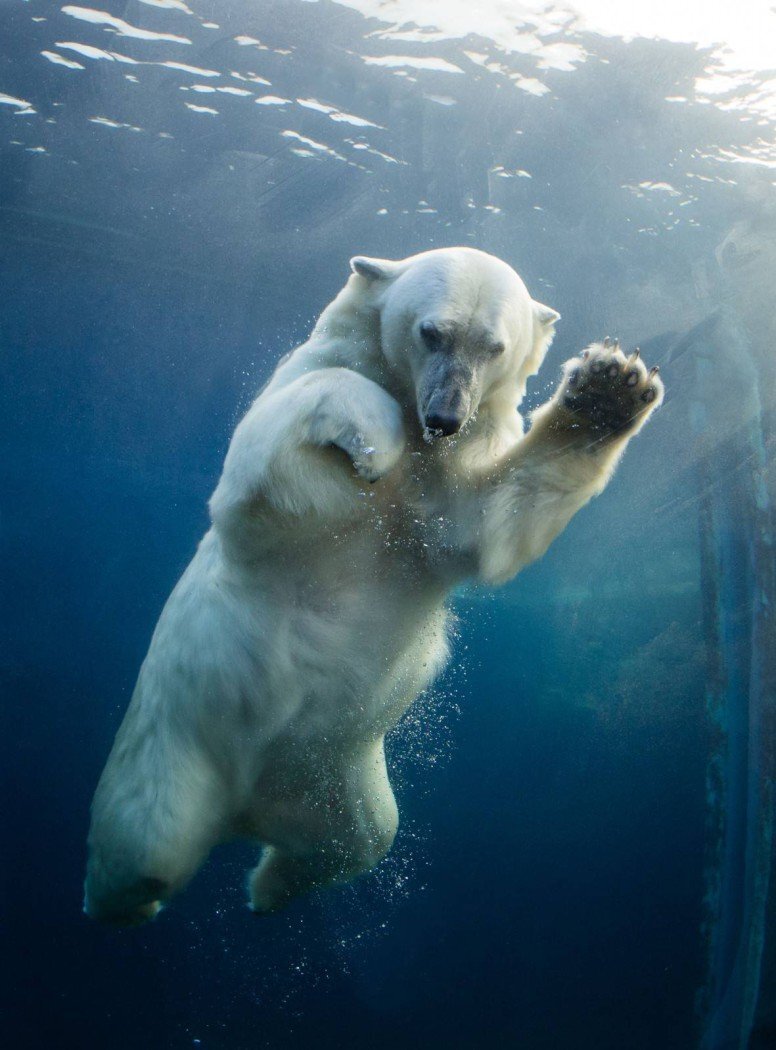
(420, 521)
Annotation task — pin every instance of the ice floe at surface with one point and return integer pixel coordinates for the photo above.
(169, 5)
(196, 70)
(89, 51)
(60, 60)
(428, 64)
(251, 78)
(11, 100)
(312, 144)
(250, 41)
(108, 123)
(88, 14)
(336, 114)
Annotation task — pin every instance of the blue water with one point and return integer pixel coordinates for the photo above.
(584, 855)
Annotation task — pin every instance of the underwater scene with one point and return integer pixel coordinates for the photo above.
(584, 857)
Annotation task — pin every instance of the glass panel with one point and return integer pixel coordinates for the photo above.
(586, 792)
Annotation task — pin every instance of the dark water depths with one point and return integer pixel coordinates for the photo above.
(587, 797)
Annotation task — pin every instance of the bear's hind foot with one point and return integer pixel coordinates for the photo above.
(131, 917)
(129, 908)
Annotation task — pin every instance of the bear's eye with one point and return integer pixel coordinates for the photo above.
(430, 334)
(497, 348)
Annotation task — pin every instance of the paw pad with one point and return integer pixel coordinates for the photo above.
(608, 392)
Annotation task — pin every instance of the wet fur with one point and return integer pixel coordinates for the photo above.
(313, 612)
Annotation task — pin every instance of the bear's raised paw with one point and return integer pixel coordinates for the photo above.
(607, 392)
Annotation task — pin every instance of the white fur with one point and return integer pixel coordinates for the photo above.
(313, 612)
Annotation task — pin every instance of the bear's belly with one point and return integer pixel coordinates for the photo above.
(326, 650)
(344, 667)
(353, 653)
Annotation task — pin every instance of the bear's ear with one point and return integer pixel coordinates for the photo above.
(545, 315)
(373, 269)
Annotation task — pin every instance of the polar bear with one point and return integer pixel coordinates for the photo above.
(383, 464)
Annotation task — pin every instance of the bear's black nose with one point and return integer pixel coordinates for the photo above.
(445, 424)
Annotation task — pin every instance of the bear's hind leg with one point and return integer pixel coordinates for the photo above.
(150, 833)
(281, 876)
(351, 824)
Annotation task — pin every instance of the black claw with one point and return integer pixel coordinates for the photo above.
(607, 341)
(654, 370)
(585, 355)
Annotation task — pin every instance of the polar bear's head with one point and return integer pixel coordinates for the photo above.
(458, 330)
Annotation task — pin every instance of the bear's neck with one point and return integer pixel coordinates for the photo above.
(347, 334)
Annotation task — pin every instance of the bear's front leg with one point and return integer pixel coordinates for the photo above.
(286, 455)
(604, 397)
(567, 457)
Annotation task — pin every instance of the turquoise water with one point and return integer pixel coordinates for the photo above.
(587, 794)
